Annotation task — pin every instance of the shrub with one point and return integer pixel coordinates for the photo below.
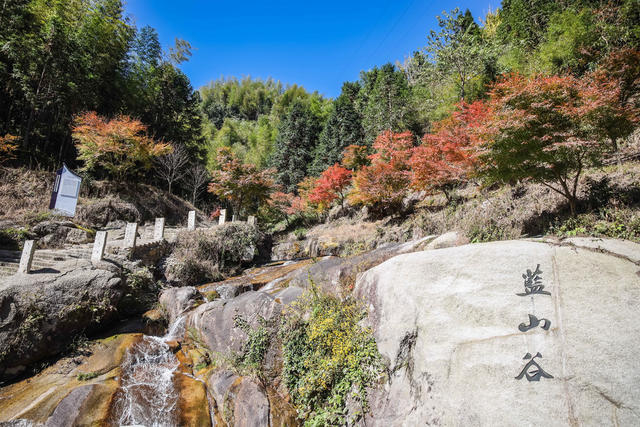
(619, 223)
(13, 238)
(141, 292)
(209, 255)
(257, 344)
(329, 358)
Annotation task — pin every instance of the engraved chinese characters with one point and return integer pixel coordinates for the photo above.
(533, 283)
(534, 322)
(532, 371)
(532, 286)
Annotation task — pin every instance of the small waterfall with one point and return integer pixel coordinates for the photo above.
(147, 395)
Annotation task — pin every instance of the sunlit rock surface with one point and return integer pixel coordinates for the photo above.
(453, 326)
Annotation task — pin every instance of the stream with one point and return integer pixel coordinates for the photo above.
(147, 395)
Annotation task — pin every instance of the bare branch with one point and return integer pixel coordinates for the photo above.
(172, 167)
(195, 179)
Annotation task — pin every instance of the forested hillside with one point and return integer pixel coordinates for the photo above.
(535, 90)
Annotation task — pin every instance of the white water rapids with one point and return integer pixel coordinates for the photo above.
(147, 395)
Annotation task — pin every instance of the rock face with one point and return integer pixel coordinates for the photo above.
(177, 301)
(55, 234)
(238, 400)
(41, 313)
(336, 275)
(59, 397)
(457, 328)
(215, 321)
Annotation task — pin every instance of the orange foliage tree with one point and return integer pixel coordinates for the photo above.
(331, 185)
(449, 154)
(7, 147)
(117, 146)
(385, 182)
(243, 185)
(543, 129)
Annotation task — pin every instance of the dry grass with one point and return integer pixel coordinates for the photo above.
(609, 206)
(24, 193)
(209, 255)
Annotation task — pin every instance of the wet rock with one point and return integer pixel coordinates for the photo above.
(71, 407)
(215, 321)
(258, 278)
(174, 345)
(192, 403)
(455, 331)
(74, 391)
(41, 313)
(177, 301)
(239, 401)
(297, 249)
(154, 322)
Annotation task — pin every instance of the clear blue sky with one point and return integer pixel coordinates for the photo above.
(317, 44)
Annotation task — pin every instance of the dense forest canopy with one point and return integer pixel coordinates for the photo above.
(63, 59)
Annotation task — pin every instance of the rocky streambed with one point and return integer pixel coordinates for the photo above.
(453, 327)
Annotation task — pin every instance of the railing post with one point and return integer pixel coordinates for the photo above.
(191, 221)
(27, 257)
(158, 229)
(98, 246)
(130, 235)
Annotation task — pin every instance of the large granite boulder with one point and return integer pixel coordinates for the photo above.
(40, 314)
(507, 333)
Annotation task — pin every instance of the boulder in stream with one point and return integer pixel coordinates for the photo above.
(41, 313)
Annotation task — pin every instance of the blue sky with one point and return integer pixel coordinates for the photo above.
(316, 44)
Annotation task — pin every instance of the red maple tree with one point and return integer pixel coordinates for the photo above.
(385, 182)
(449, 154)
(7, 146)
(243, 185)
(548, 129)
(330, 186)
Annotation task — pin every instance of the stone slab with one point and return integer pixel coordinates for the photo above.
(131, 235)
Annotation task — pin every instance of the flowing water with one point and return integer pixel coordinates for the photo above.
(147, 395)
